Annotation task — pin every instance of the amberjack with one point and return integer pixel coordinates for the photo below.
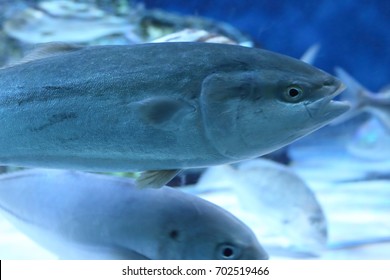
(158, 108)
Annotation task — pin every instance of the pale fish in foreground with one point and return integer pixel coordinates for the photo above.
(280, 203)
(157, 107)
(363, 100)
(88, 216)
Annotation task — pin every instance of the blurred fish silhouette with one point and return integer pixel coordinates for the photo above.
(195, 35)
(64, 21)
(70, 9)
(88, 216)
(363, 100)
(281, 203)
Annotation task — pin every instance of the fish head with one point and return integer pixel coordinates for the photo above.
(261, 110)
(226, 239)
(209, 232)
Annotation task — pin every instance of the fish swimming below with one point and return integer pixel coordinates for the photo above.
(158, 108)
(88, 216)
(284, 209)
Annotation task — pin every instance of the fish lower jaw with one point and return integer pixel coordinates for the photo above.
(338, 90)
(327, 109)
(337, 108)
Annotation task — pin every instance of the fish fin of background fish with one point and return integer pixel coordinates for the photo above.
(155, 178)
(310, 54)
(355, 93)
(164, 112)
(47, 50)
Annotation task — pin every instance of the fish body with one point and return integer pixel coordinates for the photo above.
(88, 216)
(165, 106)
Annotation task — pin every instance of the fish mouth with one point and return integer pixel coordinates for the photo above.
(327, 109)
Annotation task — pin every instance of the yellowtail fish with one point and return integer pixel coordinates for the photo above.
(158, 108)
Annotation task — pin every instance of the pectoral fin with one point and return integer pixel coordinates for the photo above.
(156, 178)
(164, 112)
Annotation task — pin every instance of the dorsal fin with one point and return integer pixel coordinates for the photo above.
(310, 54)
(46, 50)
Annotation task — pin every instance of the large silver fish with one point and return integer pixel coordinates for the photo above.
(80, 215)
(161, 107)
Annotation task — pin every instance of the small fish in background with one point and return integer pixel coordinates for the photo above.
(79, 215)
(65, 21)
(110, 23)
(157, 23)
(371, 140)
(207, 106)
(195, 35)
(284, 211)
(363, 100)
(70, 9)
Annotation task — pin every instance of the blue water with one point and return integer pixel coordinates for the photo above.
(353, 34)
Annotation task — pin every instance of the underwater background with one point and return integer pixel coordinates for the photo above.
(345, 165)
(352, 34)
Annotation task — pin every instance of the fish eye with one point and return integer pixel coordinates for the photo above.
(227, 252)
(174, 234)
(294, 93)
